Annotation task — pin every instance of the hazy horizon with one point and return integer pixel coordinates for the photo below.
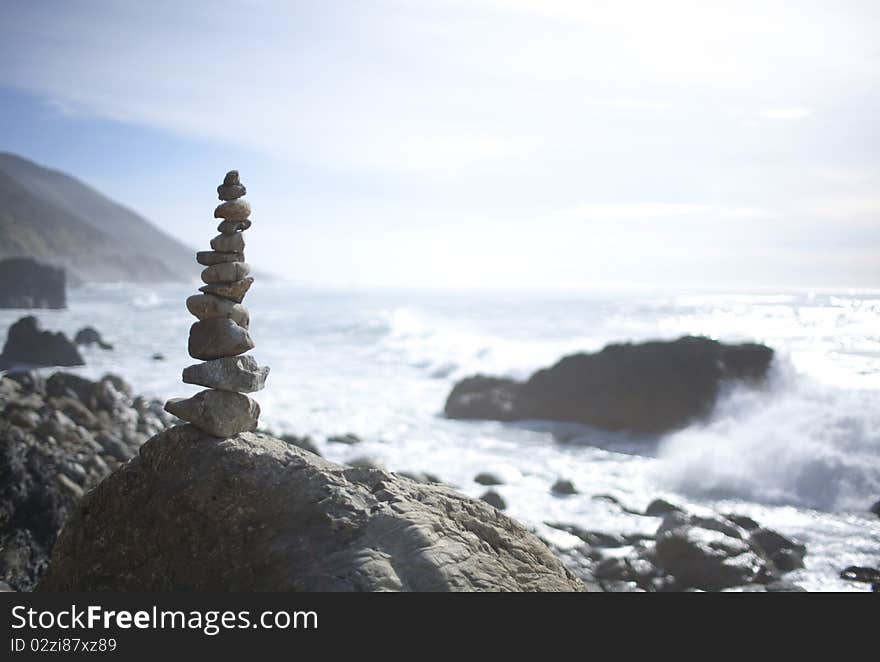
(487, 144)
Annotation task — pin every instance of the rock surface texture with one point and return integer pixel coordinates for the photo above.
(260, 514)
(221, 333)
(651, 387)
(58, 438)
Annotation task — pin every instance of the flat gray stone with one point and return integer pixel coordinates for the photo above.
(233, 210)
(207, 258)
(231, 192)
(208, 306)
(225, 272)
(219, 413)
(231, 227)
(228, 243)
(232, 291)
(216, 338)
(240, 374)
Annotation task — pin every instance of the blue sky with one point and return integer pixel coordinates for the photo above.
(479, 142)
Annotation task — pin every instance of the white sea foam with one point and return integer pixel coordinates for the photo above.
(796, 442)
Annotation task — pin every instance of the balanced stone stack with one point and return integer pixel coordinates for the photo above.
(220, 337)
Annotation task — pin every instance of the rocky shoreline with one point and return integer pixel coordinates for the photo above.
(59, 437)
(63, 435)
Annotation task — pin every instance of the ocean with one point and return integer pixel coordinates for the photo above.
(801, 454)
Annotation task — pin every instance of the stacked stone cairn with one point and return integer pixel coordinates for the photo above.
(220, 337)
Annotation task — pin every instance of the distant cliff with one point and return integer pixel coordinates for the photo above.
(29, 284)
(50, 216)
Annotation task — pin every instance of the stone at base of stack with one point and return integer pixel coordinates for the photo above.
(220, 336)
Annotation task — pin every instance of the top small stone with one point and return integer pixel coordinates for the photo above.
(231, 178)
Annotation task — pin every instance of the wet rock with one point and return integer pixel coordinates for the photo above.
(347, 439)
(488, 479)
(592, 538)
(876, 509)
(481, 397)
(651, 387)
(708, 559)
(90, 336)
(563, 488)
(786, 554)
(28, 345)
(856, 573)
(743, 522)
(661, 508)
(494, 499)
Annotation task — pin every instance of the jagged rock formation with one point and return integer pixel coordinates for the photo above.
(221, 334)
(29, 346)
(254, 513)
(58, 438)
(30, 284)
(650, 387)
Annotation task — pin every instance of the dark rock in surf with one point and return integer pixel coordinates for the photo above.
(348, 439)
(485, 398)
(260, 514)
(90, 336)
(31, 284)
(485, 478)
(494, 499)
(651, 387)
(28, 345)
(563, 487)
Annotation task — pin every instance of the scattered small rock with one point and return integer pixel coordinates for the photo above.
(856, 573)
(348, 439)
(563, 488)
(494, 499)
(661, 508)
(90, 336)
(488, 479)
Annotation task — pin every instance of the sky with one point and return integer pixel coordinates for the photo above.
(468, 143)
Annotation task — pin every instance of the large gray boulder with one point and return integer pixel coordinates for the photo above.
(253, 513)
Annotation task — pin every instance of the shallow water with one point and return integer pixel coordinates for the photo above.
(801, 455)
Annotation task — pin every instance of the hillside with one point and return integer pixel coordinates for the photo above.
(53, 217)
